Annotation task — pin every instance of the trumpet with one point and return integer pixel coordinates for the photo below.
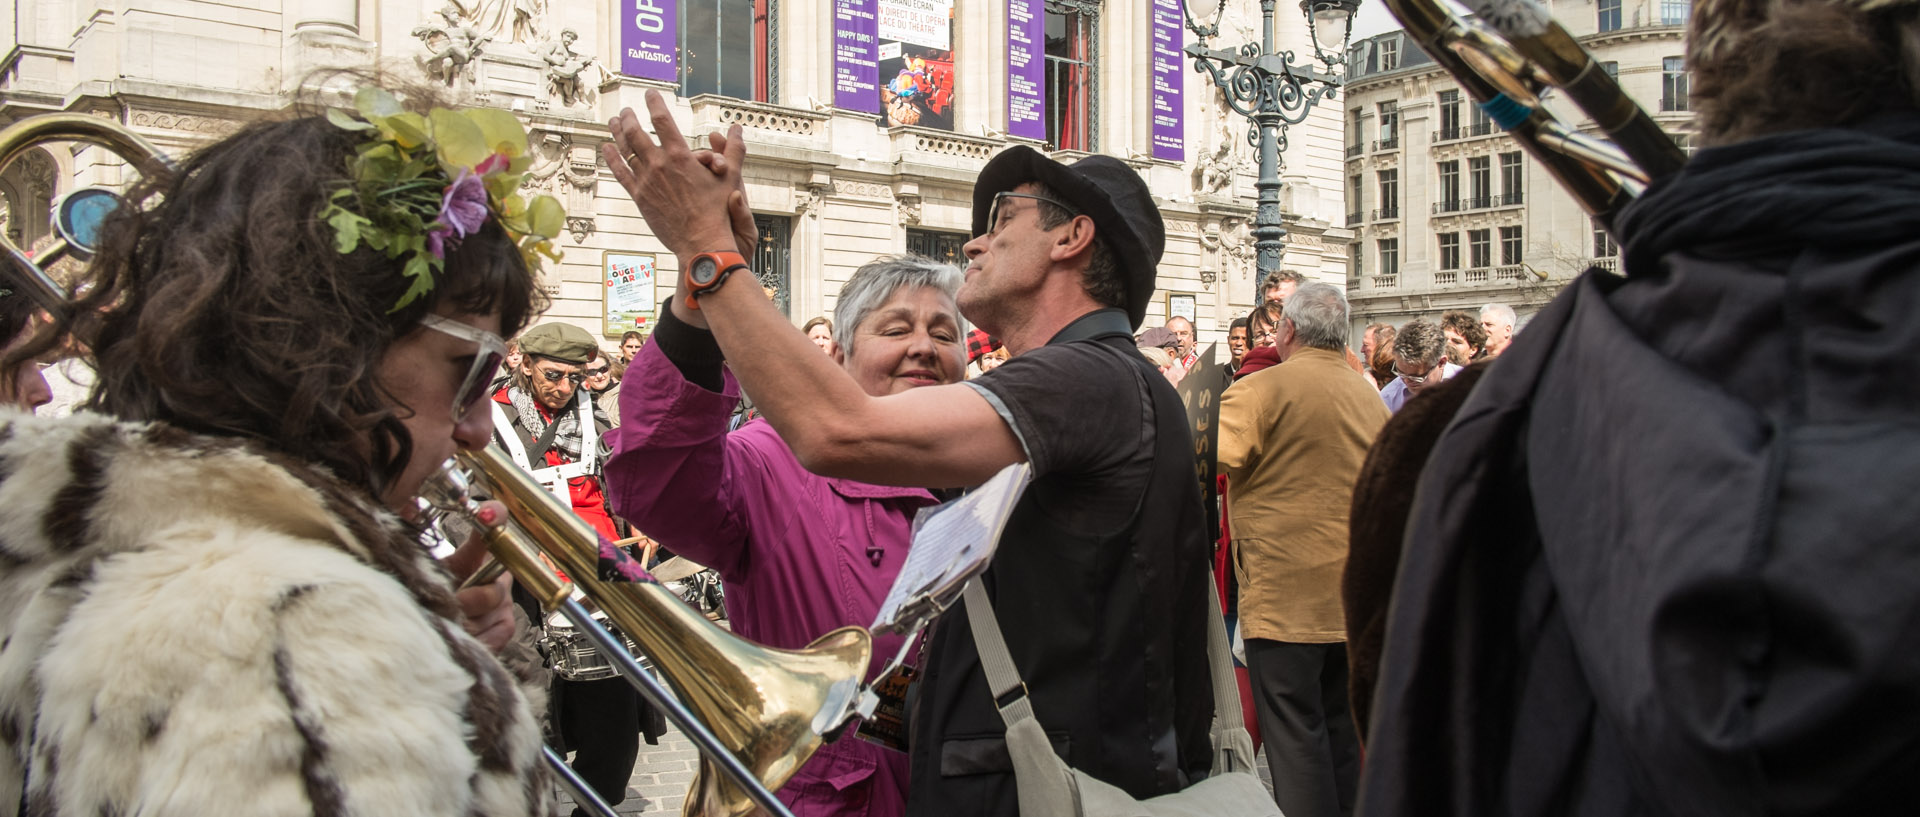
(756, 713)
(1507, 57)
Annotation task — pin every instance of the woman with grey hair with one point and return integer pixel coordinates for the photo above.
(799, 554)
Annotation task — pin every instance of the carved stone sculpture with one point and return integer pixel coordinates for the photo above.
(453, 47)
(572, 77)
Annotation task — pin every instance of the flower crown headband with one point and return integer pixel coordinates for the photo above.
(422, 183)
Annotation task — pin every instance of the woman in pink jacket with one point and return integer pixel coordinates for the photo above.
(799, 554)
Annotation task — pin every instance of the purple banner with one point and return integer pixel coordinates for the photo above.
(856, 55)
(649, 40)
(1026, 70)
(1169, 84)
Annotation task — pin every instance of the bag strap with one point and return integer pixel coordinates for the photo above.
(1004, 679)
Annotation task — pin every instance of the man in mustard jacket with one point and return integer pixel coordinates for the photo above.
(1292, 439)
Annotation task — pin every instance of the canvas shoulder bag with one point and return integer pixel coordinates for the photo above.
(1048, 787)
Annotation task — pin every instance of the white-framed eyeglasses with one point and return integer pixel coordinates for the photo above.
(487, 359)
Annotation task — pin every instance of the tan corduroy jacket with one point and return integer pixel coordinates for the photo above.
(1292, 439)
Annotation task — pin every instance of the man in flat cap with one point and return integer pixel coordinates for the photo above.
(1103, 563)
(551, 427)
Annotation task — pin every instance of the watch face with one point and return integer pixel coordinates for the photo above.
(704, 271)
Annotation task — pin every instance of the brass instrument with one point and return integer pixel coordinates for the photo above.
(1511, 53)
(756, 713)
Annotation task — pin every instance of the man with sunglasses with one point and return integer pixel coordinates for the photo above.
(1103, 563)
(547, 420)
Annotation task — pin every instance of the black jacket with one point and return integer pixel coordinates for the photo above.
(1664, 561)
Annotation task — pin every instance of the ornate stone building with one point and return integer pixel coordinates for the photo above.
(1448, 211)
(867, 120)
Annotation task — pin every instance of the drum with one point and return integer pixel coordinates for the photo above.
(573, 656)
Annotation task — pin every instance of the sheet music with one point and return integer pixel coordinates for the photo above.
(952, 543)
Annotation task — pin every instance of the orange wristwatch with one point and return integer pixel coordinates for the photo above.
(707, 271)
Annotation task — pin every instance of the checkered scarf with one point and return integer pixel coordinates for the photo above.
(567, 438)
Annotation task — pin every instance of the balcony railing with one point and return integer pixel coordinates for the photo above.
(1509, 272)
(1446, 278)
(1477, 203)
(1354, 218)
(1386, 213)
(1472, 131)
(1387, 144)
(1608, 264)
(1386, 281)
(1475, 276)
(1355, 150)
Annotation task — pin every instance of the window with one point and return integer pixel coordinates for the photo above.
(1482, 124)
(1354, 204)
(1674, 82)
(1480, 181)
(1609, 15)
(1603, 246)
(1389, 256)
(1510, 180)
(1356, 133)
(1389, 124)
(1070, 113)
(1511, 248)
(1449, 251)
(1449, 186)
(1390, 193)
(1684, 141)
(1358, 256)
(1480, 248)
(1675, 12)
(1449, 114)
(771, 259)
(937, 245)
(718, 55)
(1389, 54)
(1612, 68)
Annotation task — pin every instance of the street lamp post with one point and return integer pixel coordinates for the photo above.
(1264, 85)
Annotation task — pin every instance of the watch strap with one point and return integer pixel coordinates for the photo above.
(725, 263)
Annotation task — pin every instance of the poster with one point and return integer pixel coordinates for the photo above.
(628, 293)
(856, 55)
(916, 62)
(1026, 70)
(1169, 83)
(650, 39)
(1183, 305)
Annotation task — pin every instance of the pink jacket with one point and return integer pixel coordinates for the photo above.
(799, 554)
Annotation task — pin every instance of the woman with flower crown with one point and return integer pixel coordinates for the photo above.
(212, 596)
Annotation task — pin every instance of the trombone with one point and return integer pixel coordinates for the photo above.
(1507, 57)
(756, 713)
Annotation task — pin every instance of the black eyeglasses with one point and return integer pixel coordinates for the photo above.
(993, 212)
(554, 375)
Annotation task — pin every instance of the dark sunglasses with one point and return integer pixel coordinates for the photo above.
(485, 361)
(554, 375)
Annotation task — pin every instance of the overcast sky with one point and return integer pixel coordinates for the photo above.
(1374, 19)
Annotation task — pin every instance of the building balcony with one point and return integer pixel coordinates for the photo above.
(1386, 144)
(1354, 218)
(1355, 150)
(1608, 264)
(1446, 278)
(1475, 276)
(1386, 214)
(1478, 203)
(1509, 272)
(1473, 131)
(1386, 281)
(1449, 206)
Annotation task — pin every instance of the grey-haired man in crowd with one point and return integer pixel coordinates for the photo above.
(1104, 561)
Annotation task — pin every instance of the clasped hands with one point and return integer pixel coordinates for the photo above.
(694, 201)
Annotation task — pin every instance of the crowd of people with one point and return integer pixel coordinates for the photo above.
(1651, 556)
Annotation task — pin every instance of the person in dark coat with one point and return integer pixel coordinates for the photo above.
(1662, 561)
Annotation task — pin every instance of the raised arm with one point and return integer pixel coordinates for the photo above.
(935, 437)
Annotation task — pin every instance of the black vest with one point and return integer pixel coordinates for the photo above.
(1108, 632)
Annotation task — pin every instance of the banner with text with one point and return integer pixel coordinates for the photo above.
(1169, 83)
(1026, 69)
(649, 40)
(856, 55)
(916, 61)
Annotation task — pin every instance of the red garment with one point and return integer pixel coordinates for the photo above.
(589, 501)
(1223, 579)
(1257, 359)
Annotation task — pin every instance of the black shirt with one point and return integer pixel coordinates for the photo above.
(1099, 584)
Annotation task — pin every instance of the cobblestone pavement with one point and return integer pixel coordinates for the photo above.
(661, 775)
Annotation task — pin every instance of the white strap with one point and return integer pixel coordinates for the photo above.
(589, 435)
(554, 477)
(1004, 678)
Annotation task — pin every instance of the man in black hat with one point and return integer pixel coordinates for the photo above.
(1103, 564)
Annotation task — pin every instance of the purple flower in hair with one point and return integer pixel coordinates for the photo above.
(464, 209)
(437, 240)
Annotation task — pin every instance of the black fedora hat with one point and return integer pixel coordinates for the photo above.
(1100, 187)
